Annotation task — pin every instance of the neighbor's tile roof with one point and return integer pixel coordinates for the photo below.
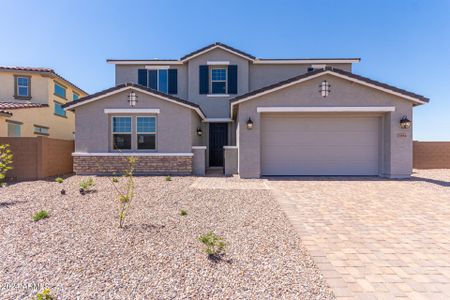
(339, 71)
(39, 70)
(19, 105)
(4, 112)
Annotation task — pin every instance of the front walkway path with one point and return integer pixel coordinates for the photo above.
(375, 238)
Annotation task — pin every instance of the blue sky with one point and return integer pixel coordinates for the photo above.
(403, 43)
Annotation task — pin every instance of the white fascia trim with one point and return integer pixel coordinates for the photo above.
(326, 109)
(199, 147)
(129, 154)
(217, 63)
(157, 67)
(217, 120)
(131, 110)
(217, 95)
(230, 147)
(215, 47)
(306, 61)
(140, 90)
(144, 62)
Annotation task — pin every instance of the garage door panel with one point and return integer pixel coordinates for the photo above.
(298, 145)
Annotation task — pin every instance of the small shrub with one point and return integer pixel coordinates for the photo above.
(46, 294)
(86, 185)
(168, 178)
(59, 180)
(6, 160)
(42, 214)
(183, 212)
(115, 180)
(215, 245)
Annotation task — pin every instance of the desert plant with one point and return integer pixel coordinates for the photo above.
(6, 160)
(215, 245)
(46, 294)
(59, 180)
(86, 185)
(168, 178)
(126, 196)
(115, 180)
(183, 212)
(42, 214)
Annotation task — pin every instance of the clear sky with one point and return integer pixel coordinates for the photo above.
(405, 43)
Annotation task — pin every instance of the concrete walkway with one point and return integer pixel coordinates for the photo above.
(375, 238)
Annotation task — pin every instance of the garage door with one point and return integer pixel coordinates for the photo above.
(307, 145)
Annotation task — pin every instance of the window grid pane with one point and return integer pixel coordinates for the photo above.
(163, 81)
(40, 130)
(59, 110)
(75, 97)
(13, 130)
(122, 124)
(146, 124)
(60, 91)
(23, 86)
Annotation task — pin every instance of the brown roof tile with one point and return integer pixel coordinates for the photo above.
(19, 105)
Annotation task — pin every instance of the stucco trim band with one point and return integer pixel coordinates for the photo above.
(326, 109)
(132, 110)
(199, 147)
(130, 154)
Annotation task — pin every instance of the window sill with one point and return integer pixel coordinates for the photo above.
(60, 116)
(217, 95)
(22, 97)
(40, 133)
(59, 96)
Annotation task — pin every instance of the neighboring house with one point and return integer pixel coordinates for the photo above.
(220, 106)
(31, 101)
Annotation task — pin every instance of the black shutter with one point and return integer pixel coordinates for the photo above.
(153, 79)
(204, 80)
(173, 83)
(232, 79)
(142, 77)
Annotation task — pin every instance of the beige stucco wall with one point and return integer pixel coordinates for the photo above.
(93, 126)
(42, 92)
(397, 142)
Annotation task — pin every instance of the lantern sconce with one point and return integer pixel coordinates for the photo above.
(249, 123)
(324, 88)
(405, 123)
(199, 131)
(132, 99)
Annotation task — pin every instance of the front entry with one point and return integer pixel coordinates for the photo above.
(218, 137)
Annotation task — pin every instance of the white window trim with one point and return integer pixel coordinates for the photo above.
(217, 63)
(130, 133)
(131, 110)
(155, 132)
(22, 86)
(157, 67)
(216, 67)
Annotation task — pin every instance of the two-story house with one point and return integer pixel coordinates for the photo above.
(31, 101)
(221, 107)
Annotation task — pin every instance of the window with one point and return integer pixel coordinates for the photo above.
(59, 110)
(146, 133)
(14, 129)
(163, 80)
(75, 96)
(121, 131)
(60, 90)
(41, 130)
(23, 86)
(218, 80)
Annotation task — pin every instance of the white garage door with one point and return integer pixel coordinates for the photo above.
(307, 145)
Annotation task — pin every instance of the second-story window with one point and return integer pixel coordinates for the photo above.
(75, 96)
(59, 110)
(162, 80)
(23, 87)
(218, 80)
(60, 91)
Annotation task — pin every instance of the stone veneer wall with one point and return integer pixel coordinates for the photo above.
(85, 165)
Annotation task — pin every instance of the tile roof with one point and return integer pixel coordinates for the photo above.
(4, 112)
(39, 70)
(20, 105)
(338, 71)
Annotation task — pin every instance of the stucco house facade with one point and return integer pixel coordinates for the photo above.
(219, 107)
(31, 101)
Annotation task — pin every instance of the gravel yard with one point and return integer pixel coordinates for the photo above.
(80, 253)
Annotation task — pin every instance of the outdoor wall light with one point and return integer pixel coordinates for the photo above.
(324, 88)
(405, 123)
(199, 131)
(249, 123)
(132, 99)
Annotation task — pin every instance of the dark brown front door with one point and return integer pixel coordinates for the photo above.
(218, 137)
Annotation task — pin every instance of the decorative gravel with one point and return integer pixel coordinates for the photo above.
(80, 253)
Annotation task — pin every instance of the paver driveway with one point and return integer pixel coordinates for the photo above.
(374, 238)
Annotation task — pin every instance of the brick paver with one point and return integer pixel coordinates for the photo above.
(374, 238)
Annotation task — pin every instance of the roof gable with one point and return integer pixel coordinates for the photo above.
(215, 46)
(122, 87)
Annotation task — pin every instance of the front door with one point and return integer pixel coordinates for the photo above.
(218, 137)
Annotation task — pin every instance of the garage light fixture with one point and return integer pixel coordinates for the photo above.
(405, 123)
(324, 88)
(249, 123)
(199, 131)
(132, 99)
